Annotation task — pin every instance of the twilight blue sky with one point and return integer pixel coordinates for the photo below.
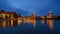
(28, 7)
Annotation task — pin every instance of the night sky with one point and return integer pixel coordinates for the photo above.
(28, 7)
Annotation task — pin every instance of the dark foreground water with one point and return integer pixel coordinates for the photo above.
(30, 27)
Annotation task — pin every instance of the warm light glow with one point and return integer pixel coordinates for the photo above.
(43, 17)
(4, 23)
(4, 16)
(34, 22)
(50, 23)
(11, 23)
(8, 15)
(11, 17)
(19, 21)
(30, 21)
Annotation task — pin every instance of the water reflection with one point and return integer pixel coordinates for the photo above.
(11, 23)
(43, 22)
(30, 21)
(50, 23)
(3, 23)
(18, 22)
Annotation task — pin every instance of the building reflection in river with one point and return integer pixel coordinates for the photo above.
(3, 23)
(30, 21)
(50, 23)
(12, 23)
(18, 22)
(43, 22)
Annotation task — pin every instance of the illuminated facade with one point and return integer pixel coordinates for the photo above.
(33, 16)
(4, 14)
(12, 15)
(50, 15)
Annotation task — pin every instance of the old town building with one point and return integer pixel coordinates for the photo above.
(4, 14)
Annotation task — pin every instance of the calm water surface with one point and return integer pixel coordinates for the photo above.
(29, 26)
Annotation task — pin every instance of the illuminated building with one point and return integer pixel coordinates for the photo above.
(33, 16)
(4, 14)
(43, 17)
(50, 15)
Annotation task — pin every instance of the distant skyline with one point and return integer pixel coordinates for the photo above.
(28, 7)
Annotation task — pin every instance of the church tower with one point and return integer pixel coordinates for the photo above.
(34, 15)
(50, 13)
